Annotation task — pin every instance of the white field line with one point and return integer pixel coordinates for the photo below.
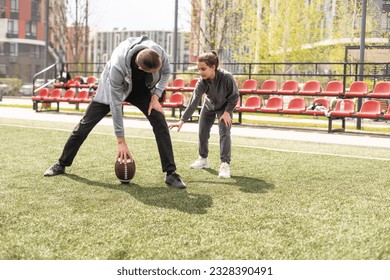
(215, 144)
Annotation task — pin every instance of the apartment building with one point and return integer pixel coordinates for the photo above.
(22, 36)
(104, 42)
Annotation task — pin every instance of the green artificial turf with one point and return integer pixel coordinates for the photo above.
(285, 200)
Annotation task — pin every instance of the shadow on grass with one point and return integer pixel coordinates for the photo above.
(246, 184)
(163, 197)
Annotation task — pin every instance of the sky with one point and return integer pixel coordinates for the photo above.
(138, 14)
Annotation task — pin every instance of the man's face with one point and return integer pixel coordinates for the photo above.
(153, 70)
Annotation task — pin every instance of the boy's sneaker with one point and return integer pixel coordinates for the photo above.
(200, 163)
(56, 169)
(174, 181)
(224, 170)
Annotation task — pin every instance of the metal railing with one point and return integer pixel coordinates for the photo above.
(302, 71)
(323, 71)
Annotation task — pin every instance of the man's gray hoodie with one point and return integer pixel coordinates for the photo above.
(115, 83)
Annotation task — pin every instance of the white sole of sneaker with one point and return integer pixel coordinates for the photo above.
(199, 167)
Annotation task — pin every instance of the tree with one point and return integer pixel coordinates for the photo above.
(282, 30)
(77, 36)
(218, 22)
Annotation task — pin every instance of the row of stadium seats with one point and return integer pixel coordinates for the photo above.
(268, 87)
(291, 87)
(320, 107)
(78, 82)
(343, 108)
(254, 103)
(57, 95)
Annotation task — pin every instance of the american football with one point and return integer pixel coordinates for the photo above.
(125, 171)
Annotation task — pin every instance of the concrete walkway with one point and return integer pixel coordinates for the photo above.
(319, 136)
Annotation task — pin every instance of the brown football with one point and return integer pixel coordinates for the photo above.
(125, 171)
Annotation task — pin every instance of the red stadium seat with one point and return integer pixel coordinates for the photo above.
(73, 82)
(295, 106)
(311, 87)
(175, 101)
(248, 87)
(91, 82)
(191, 85)
(381, 90)
(289, 87)
(82, 97)
(370, 109)
(268, 87)
(69, 94)
(177, 85)
(333, 88)
(357, 89)
(273, 105)
(318, 110)
(341, 113)
(347, 111)
(252, 104)
(53, 96)
(44, 92)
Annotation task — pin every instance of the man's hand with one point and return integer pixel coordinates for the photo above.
(227, 119)
(154, 104)
(179, 124)
(123, 150)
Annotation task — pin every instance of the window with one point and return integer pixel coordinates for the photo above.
(37, 51)
(31, 29)
(2, 8)
(15, 6)
(3, 70)
(169, 45)
(13, 27)
(117, 39)
(36, 9)
(13, 49)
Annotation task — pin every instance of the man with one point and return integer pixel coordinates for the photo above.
(137, 72)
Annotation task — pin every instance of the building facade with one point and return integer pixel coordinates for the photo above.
(104, 43)
(22, 36)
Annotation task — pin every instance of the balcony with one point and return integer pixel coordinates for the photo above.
(35, 17)
(30, 36)
(12, 35)
(14, 15)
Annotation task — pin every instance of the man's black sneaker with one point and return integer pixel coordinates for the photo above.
(56, 169)
(175, 181)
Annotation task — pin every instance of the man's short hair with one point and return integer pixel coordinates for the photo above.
(149, 59)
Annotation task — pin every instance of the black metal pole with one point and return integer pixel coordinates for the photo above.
(86, 40)
(175, 39)
(362, 48)
(46, 56)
